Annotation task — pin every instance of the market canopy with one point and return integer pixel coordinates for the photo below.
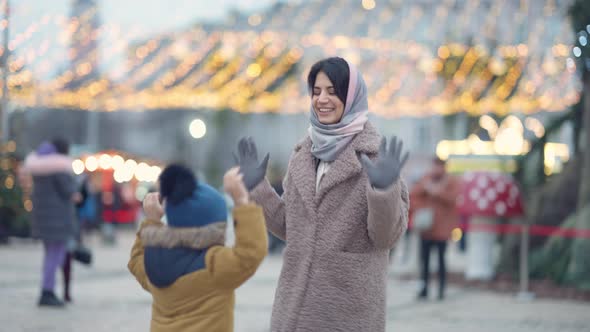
(419, 58)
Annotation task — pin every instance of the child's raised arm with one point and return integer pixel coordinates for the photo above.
(233, 266)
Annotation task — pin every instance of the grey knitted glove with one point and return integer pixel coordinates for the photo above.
(247, 160)
(386, 169)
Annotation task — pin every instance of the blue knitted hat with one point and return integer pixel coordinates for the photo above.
(204, 207)
(189, 203)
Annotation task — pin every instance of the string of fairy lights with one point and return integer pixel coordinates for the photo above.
(256, 63)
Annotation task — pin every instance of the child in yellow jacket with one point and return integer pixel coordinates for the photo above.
(189, 273)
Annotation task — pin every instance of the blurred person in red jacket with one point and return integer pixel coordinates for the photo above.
(434, 215)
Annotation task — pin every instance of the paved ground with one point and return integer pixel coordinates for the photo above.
(108, 299)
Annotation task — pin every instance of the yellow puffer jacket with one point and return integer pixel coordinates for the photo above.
(204, 300)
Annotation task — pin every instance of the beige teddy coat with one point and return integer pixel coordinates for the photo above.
(334, 272)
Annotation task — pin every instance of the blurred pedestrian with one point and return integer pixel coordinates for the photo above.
(343, 208)
(434, 216)
(111, 202)
(53, 217)
(189, 273)
(87, 208)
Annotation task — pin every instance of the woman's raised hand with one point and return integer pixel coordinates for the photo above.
(247, 160)
(387, 168)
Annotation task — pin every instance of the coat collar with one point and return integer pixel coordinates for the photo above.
(187, 237)
(345, 166)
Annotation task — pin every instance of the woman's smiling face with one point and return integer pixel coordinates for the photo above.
(326, 104)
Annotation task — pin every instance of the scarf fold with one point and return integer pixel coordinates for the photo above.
(328, 140)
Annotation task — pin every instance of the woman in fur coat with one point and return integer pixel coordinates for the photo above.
(343, 208)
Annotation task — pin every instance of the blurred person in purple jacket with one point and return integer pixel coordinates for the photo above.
(53, 216)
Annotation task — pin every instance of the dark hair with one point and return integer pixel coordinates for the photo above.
(177, 182)
(337, 71)
(61, 145)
